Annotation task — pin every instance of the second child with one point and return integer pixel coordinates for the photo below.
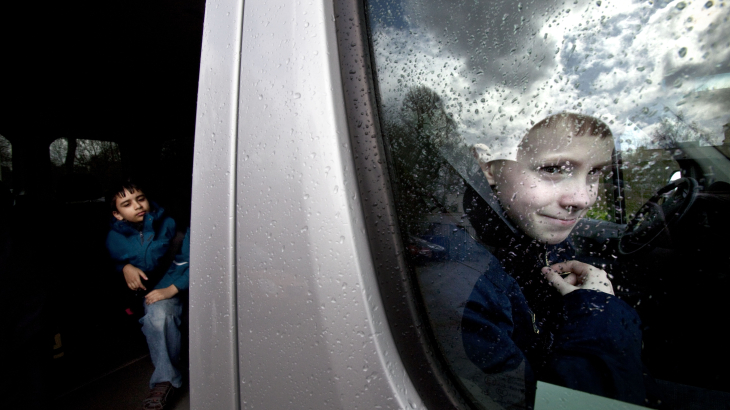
(143, 245)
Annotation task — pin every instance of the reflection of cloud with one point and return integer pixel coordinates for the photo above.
(500, 68)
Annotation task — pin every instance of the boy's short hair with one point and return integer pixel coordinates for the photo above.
(580, 124)
(117, 190)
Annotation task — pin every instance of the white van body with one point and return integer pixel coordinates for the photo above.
(284, 306)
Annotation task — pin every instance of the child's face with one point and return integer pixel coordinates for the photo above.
(132, 207)
(553, 182)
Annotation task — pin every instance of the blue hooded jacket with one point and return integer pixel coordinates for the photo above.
(146, 247)
(586, 340)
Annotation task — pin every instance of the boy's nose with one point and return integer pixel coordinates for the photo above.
(577, 195)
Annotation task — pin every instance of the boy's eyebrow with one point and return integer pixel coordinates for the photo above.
(558, 159)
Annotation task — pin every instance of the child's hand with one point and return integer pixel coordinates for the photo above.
(133, 276)
(160, 294)
(580, 276)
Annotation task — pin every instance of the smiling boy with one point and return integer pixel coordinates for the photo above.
(580, 335)
(554, 179)
(142, 242)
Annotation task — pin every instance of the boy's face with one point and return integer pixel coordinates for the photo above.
(132, 207)
(553, 182)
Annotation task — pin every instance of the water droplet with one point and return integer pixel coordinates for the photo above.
(708, 4)
(640, 68)
(681, 5)
(342, 239)
(598, 3)
(683, 51)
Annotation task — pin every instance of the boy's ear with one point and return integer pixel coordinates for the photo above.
(490, 169)
(118, 215)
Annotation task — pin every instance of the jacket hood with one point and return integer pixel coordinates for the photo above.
(151, 219)
(487, 217)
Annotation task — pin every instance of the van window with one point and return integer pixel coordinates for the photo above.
(6, 160)
(467, 92)
(98, 163)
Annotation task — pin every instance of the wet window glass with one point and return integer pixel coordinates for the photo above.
(561, 178)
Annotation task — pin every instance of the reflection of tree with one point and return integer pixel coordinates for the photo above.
(674, 130)
(426, 182)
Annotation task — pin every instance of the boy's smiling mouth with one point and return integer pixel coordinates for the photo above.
(560, 221)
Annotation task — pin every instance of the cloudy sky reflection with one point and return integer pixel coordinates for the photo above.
(501, 66)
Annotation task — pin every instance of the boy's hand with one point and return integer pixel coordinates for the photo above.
(134, 276)
(160, 294)
(580, 276)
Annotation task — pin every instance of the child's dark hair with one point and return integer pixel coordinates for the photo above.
(117, 190)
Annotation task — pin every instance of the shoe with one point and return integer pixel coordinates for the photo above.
(159, 396)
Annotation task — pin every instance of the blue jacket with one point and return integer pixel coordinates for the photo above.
(145, 248)
(179, 272)
(586, 340)
(595, 347)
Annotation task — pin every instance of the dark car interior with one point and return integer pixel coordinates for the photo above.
(670, 262)
(117, 77)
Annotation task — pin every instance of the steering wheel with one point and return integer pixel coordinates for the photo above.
(658, 214)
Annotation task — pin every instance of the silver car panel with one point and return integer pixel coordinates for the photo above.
(308, 314)
(213, 339)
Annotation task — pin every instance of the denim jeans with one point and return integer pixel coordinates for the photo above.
(160, 326)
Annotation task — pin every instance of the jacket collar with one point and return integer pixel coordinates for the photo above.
(150, 223)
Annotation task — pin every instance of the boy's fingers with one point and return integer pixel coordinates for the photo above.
(579, 268)
(571, 278)
(585, 276)
(143, 275)
(558, 282)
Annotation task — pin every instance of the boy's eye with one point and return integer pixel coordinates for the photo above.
(552, 169)
(596, 171)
